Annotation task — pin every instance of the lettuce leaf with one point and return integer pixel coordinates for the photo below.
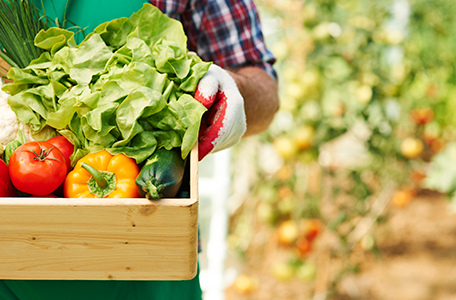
(127, 87)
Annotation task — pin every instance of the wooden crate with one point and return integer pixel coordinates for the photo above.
(114, 239)
(4, 64)
(4, 67)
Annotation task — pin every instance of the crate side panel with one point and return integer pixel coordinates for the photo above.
(152, 242)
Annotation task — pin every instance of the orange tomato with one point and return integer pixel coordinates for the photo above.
(422, 116)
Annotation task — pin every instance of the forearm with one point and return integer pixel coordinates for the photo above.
(261, 100)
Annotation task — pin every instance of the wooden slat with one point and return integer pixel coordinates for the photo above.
(4, 64)
(194, 172)
(118, 239)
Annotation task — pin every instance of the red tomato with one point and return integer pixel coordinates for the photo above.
(67, 150)
(65, 147)
(6, 187)
(59, 191)
(311, 228)
(37, 168)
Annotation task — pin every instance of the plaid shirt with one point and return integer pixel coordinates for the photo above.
(227, 32)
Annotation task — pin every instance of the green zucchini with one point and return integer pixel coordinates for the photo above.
(161, 176)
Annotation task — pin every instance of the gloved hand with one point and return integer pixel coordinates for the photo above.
(224, 124)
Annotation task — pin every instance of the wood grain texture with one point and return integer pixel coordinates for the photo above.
(4, 64)
(4, 68)
(117, 239)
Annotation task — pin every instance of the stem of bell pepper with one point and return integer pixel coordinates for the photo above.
(96, 175)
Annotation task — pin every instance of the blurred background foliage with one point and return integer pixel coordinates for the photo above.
(368, 98)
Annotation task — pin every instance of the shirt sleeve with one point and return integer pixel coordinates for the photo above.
(227, 32)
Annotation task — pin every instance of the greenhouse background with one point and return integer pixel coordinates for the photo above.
(350, 194)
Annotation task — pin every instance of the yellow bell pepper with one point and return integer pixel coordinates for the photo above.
(102, 175)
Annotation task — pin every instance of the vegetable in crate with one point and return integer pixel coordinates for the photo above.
(20, 21)
(12, 132)
(13, 145)
(126, 88)
(9, 124)
(102, 175)
(161, 175)
(6, 187)
(67, 150)
(37, 168)
(64, 146)
(45, 196)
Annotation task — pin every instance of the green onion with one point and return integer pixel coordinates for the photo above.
(20, 22)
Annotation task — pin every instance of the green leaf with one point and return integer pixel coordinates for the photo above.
(102, 139)
(24, 112)
(112, 92)
(192, 120)
(141, 102)
(139, 148)
(182, 116)
(115, 32)
(169, 58)
(140, 52)
(102, 119)
(63, 60)
(54, 39)
(168, 139)
(139, 74)
(25, 76)
(42, 62)
(197, 71)
(90, 59)
(153, 26)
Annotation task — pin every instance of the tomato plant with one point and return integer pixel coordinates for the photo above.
(354, 124)
(6, 187)
(37, 168)
(65, 147)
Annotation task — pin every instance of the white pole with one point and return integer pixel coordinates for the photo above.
(219, 190)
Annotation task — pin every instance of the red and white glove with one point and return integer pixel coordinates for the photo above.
(224, 123)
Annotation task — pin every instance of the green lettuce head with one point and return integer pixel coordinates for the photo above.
(127, 87)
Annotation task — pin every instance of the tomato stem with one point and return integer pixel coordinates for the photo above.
(101, 181)
(43, 154)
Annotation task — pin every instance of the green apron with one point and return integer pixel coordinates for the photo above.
(99, 290)
(89, 14)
